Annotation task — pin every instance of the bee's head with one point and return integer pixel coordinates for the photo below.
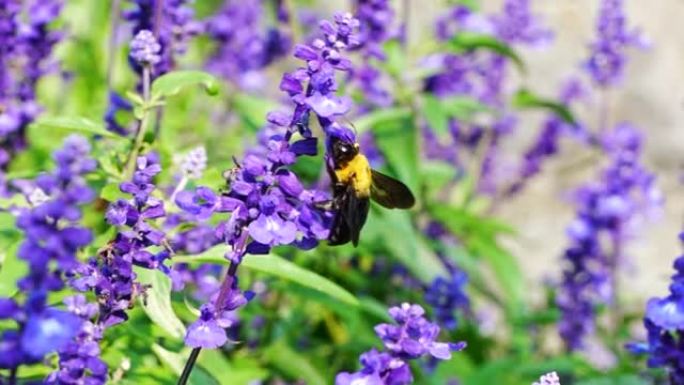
(343, 152)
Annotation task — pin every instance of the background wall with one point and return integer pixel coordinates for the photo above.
(652, 97)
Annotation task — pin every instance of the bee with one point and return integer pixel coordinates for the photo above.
(354, 184)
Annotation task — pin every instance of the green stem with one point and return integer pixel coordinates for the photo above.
(142, 124)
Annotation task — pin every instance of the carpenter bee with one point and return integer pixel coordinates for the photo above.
(354, 183)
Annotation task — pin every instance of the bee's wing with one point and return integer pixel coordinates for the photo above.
(351, 215)
(390, 192)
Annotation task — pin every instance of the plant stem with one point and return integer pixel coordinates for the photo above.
(142, 124)
(226, 287)
(13, 376)
(188, 366)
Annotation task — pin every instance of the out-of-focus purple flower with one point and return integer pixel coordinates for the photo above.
(52, 237)
(517, 24)
(664, 322)
(606, 63)
(447, 297)
(27, 44)
(376, 18)
(244, 45)
(172, 24)
(116, 103)
(609, 209)
(145, 48)
(548, 379)
(412, 337)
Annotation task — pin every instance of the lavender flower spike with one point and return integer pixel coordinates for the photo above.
(412, 337)
(664, 322)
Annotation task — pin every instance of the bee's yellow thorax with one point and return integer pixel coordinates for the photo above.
(356, 172)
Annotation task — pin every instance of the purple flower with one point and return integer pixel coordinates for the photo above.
(269, 206)
(411, 337)
(244, 43)
(52, 238)
(664, 322)
(145, 49)
(447, 296)
(608, 209)
(607, 59)
(27, 44)
(517, 24)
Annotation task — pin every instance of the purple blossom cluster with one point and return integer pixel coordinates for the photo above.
(171, 22)
(110, 277)
(244, 45)
(609, 209)
(664, 322)
(606, 63)
(268, 204)
(52, 238)
(25, 56)
(376, 19)
(447, 296)
(412, 337)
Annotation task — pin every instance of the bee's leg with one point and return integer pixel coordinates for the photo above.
(327, 205)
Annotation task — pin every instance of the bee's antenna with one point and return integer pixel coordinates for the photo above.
(356, 132)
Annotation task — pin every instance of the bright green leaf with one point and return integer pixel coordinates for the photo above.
(469, 41)
(158, 301)
(525, 99)
(368, 121)
(293, 364)
(252, 110)
(278, 267)
(172, 83)
(74, 124)
(11, 269)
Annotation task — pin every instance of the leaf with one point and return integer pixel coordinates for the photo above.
(293, 364)
(393, 231)
(368, 121)
(111, 192)
(172, 83)
(436, 117)
(11, 269)
(75, 124)
(176, 362)
(469, 41)
(277, 267)
(525, 99)
(244, 372)
(158, 301)
(252, 110)
(398, 141)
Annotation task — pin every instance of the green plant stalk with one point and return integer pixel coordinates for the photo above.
(142, 124)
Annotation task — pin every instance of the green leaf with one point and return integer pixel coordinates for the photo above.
(172, 83)
(244, 372)
(525, 99)
(435, 115)
(469, 41)
(176, 362)
(368, 121)
(157, 304)
(623, 379)
(11, 269)
(292, 364)
(74, 124)
(393, 231)
(252, 110)
(277, 267)
(398, 141)
(111, 192)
